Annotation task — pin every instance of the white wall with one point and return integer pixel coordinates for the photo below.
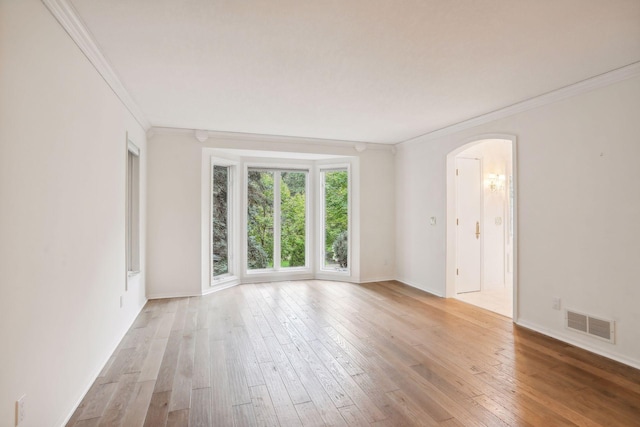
(175, 230)
(62, 219)
(578, 210)
(173, 222)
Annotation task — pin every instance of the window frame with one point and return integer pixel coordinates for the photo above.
(230, 223)
(232, 207)
(277, 170)
(321, 170)
(132, 210)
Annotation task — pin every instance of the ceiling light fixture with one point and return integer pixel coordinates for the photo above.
(201, 135)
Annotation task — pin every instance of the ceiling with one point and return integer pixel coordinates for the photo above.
(359, 70)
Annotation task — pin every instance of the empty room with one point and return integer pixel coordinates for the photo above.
(319, 213)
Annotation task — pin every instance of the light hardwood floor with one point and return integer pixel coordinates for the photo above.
(328, 353)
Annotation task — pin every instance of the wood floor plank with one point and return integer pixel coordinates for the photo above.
(236, 372)
(294, 386)
(183, 377)
(317, 353)
(253, 374)
(282, 403)
(416, 414)
(151, 365)
(353, 416)
(221, 407)
(243, 415)
(309, 415)
(158, 410)
(316, 391)
(166, 373)
(121, 364)
(98, 402)
(202, 357)
(200, 411)
(179, 418)
(164, 325)
(139, 404)
(263, 406)
(366, 406)
(92, 422)
(117, 407)
(328, 382)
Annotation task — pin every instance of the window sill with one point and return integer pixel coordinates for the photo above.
(340, 271)
(222, 280)
(281, 271)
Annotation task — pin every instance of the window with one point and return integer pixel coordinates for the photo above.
(335, 219)
(220, 220)
(277, 219)
(293, 223)
(133, 209)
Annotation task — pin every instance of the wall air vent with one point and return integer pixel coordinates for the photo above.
(589, 325)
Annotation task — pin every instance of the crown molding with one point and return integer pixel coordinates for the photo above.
(255, 137)
(67, 16)
(596, 82)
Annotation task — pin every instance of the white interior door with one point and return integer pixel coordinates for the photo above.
(468, 207)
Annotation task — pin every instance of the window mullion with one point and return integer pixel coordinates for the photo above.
(277, 229)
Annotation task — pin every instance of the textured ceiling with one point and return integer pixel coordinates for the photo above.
(361, 70)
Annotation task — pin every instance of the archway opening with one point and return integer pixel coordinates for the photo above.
(482, 224)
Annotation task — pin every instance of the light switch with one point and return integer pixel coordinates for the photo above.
(498, 220)
(432, 220)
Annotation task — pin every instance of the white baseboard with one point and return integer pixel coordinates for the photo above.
(378, 279)
(634, 363)
(174, 295)
(336, 277)
(415, 285)
(101, 366)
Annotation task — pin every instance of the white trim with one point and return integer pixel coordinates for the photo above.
(635, 363)
(277, 167)
(209, 159)
(231, 213)
(224, 284)
(175, 295)
(584, 86)
(274, 276)
(383, 279)
(133, 148)
(68, 18)
(256, 137)
(133, 238)
(427, 290)
(322, 169)
(334, 277)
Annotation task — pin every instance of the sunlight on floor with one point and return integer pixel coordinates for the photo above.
(497, 300)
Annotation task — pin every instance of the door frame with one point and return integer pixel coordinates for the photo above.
(451, 249)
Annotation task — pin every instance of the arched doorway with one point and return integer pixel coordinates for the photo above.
(482, 224)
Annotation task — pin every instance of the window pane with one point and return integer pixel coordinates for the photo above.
(293, 219)
(220, 218)
(336, 219)
(260, 220)
(133, 213)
